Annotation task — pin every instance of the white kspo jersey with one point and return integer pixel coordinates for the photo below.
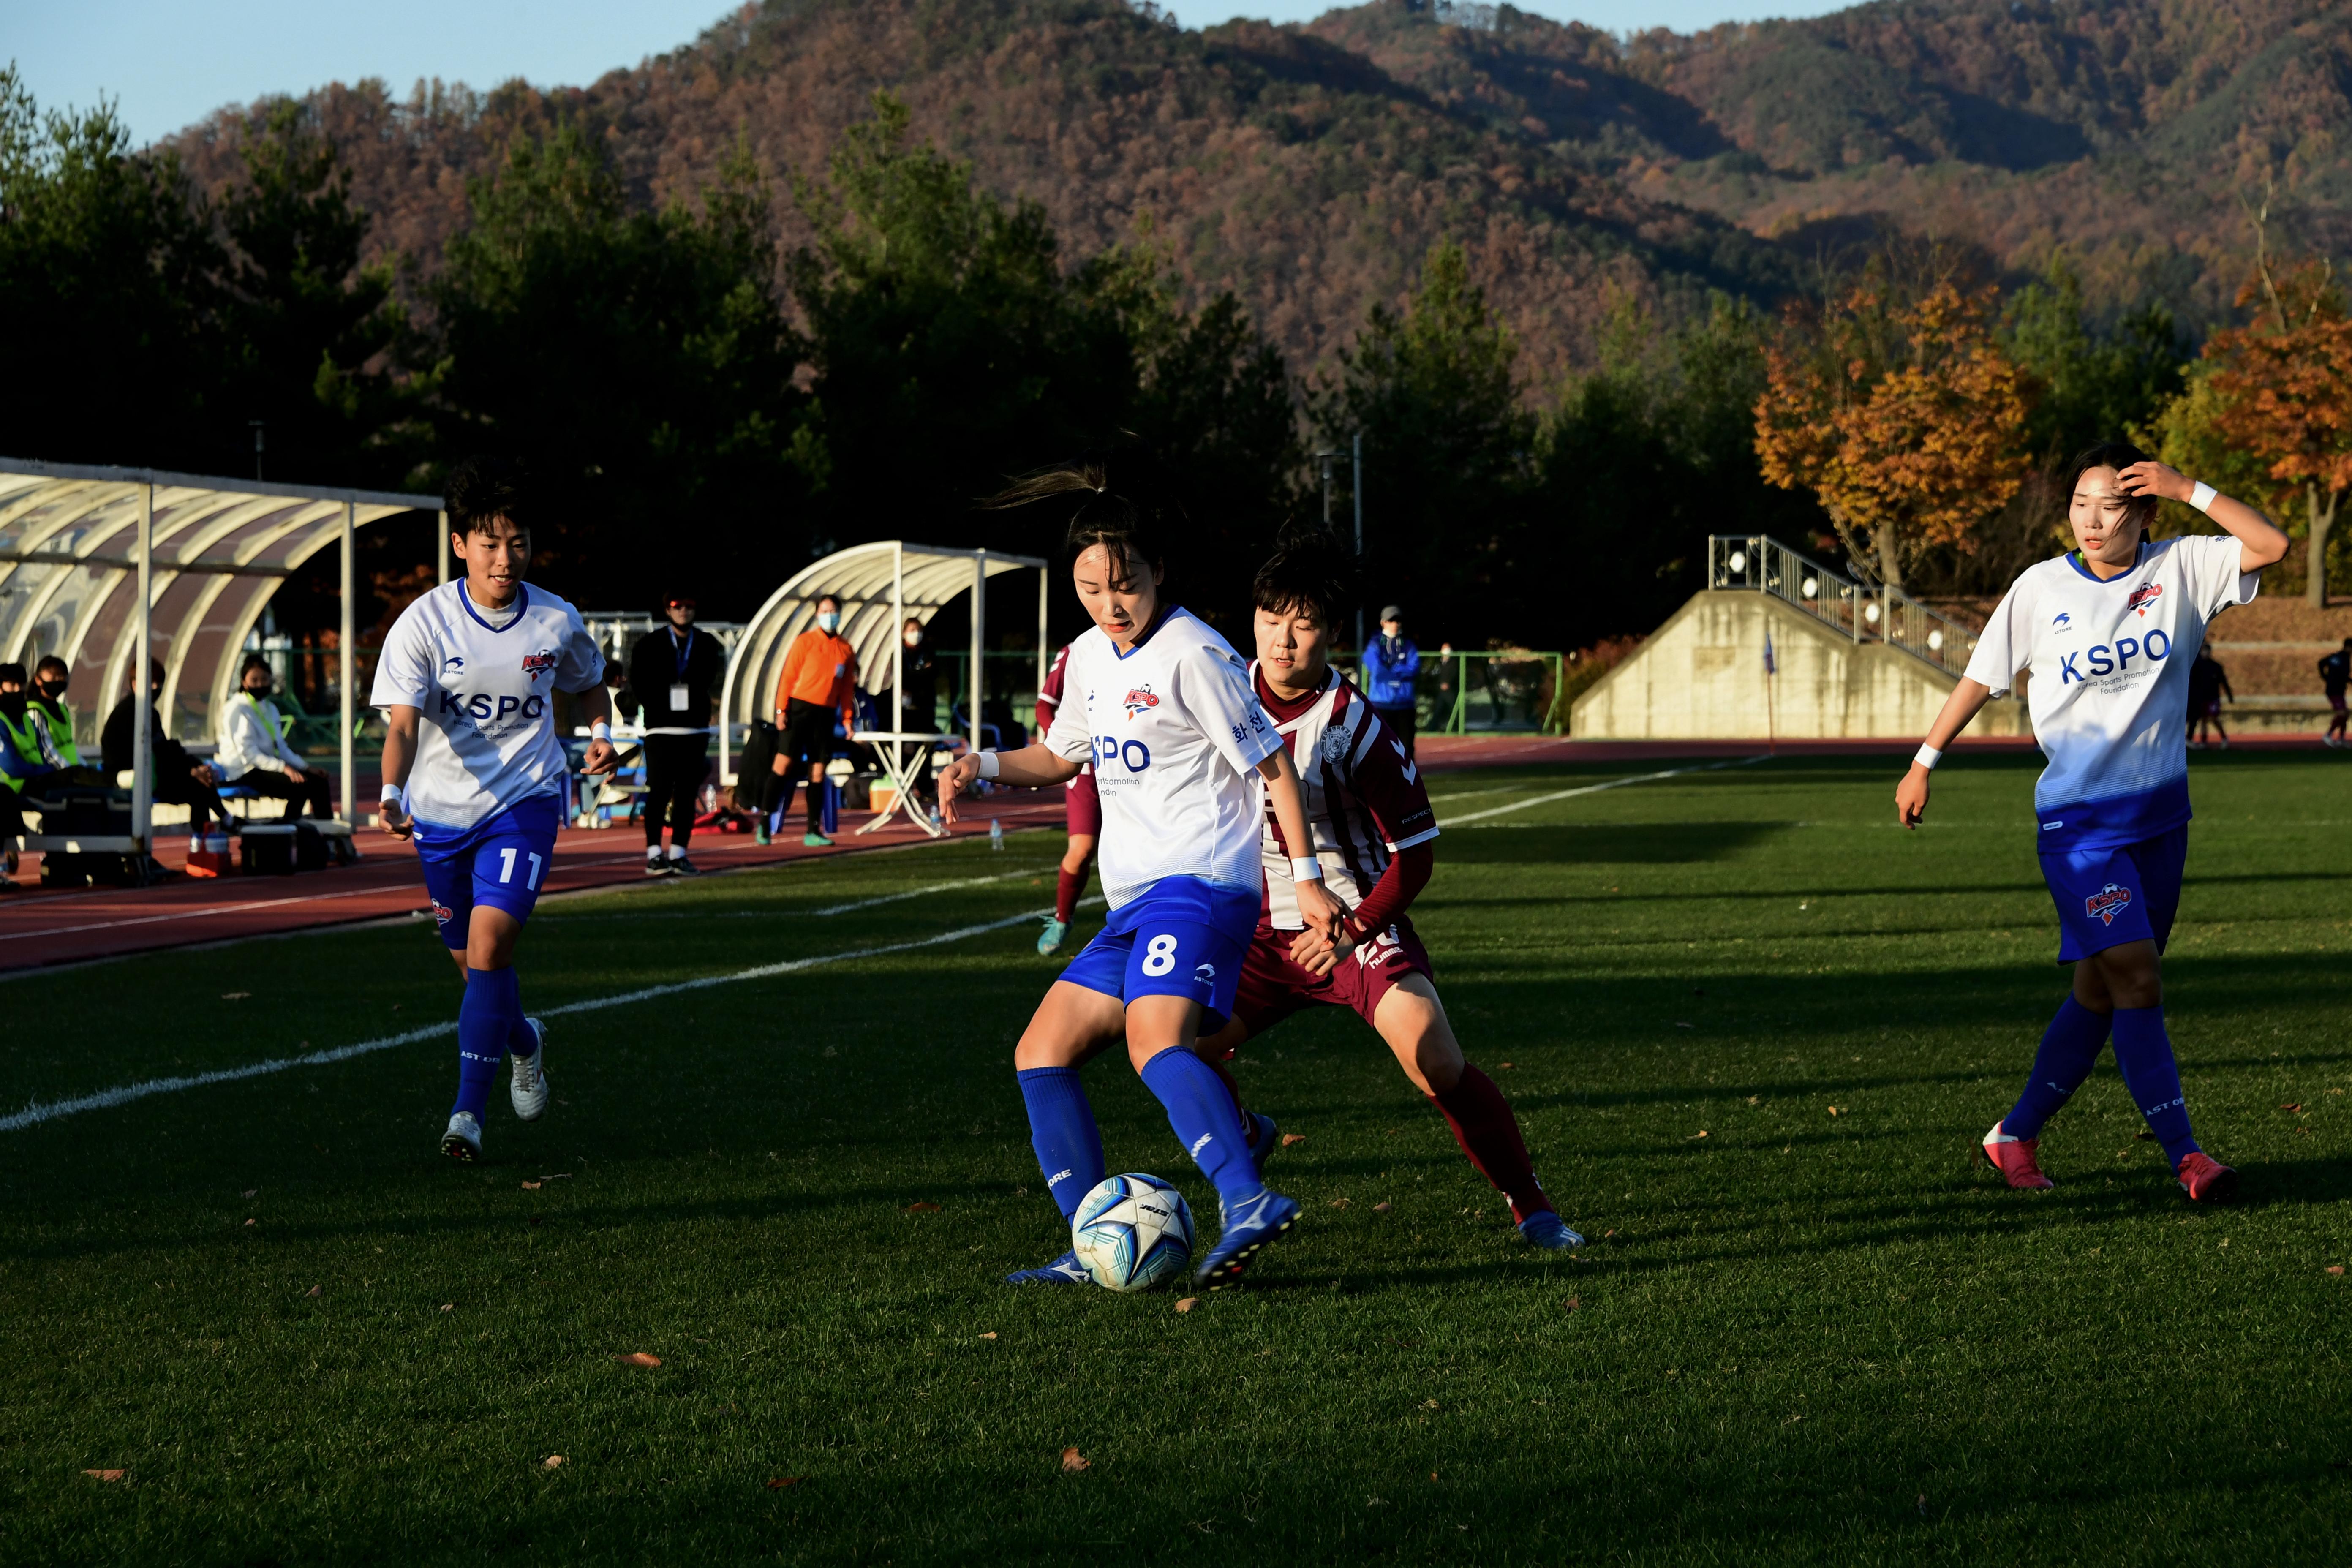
(1364, 799)
(2110, 690)
(1175, 735)
(484, 682)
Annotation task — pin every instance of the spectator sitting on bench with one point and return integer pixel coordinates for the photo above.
(20, 762)
(254, 755)
(180, 779)
(46, 703)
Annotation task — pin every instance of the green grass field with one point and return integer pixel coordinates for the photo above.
(1752, 1029)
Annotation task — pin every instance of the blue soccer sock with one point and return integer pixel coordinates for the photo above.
(522, 1040)
(2069, 1046)
(1205, 1120)
(1062, 1129)
(2144, 1053)
(487, 1020)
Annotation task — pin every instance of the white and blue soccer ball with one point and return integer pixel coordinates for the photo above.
(1133, 1232)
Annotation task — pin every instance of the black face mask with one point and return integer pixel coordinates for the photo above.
(260, 694)
(52, 689)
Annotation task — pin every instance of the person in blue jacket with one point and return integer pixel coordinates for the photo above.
(1390, 665)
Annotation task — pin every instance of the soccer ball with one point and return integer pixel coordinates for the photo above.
(1133, 1232)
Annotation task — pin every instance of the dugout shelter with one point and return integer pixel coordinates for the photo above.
(106, 568)
(880, 585)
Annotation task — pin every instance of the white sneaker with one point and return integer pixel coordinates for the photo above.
(527, 1088)
(463, 1139)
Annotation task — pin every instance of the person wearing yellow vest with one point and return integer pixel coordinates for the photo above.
(20, 761)
(46, 702)
(253, 754)
(820, 679)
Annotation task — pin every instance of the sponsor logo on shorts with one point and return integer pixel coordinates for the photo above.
(2144, 595)
(539, 663)
(2052, 827)
(2107, 904)
(442, 913)
(1139, 698)
(1206, 974)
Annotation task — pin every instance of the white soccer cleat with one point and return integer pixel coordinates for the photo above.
(463, 1139)
(528, 1087)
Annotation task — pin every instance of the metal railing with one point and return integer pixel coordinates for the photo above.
(1862, 613)
(1463, 692)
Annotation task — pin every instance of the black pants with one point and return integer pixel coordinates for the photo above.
(1401, 721)
(175, 788)
(807, 742)
(675, 766)
(312, 793)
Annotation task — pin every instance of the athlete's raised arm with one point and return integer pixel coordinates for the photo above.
(1968, 699)
(2259, 540)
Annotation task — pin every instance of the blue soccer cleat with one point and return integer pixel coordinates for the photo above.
(1249, 1226)
(1548, 1231)
(1063, 1270)
(1053, 937)
(1264, 1139)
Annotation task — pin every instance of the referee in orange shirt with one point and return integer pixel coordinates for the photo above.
(820, 679)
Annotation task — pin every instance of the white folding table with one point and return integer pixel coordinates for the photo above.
(898, 764)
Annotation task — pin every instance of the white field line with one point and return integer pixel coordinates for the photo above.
(36, 1114)
(1596, 789)
(799, 914)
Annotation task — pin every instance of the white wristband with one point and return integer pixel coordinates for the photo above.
(1308, 869)
(1928, 757)
(988, 764)
(599, 731)
(393, 795)
(2201, 497)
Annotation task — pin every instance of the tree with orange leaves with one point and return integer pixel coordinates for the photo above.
(1903, 417)
(2285, 384)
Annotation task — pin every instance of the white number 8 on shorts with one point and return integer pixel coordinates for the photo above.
(1160, 954)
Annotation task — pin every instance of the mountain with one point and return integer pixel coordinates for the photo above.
(1309, 168)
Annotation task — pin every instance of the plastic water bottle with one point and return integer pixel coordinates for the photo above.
(996, 833)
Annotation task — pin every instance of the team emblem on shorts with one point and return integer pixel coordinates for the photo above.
(1205, 975)
(2144, 595)
(539, 663)
(1138, 699)
(2107, 904)
(442, 913)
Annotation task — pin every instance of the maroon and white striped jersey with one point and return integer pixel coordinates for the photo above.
(1049, 698)
(1365, 800)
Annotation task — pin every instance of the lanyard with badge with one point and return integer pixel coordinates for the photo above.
(678, 701)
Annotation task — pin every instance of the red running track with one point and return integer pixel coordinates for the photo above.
(40, 927)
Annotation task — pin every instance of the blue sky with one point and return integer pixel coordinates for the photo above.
(169, 62)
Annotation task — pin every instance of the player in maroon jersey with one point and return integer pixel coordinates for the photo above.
(1373, 828)
(1081, 812)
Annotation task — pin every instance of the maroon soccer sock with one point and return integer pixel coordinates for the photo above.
(1065, 894)
(1489, 1135)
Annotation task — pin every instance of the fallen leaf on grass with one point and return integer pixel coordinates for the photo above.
(252, 1191)
(107, 1475)
(1429, 1405)
(778, 1483)
(448, 1306)
(1338, 1203)
(1700, 1133)
(253, 1222)
(1073, 1462)
(1382, 1208)
(2296, 1105)
(1573, 1303)
(235, 995)
(1504, 1067)
(311, 1291)
(990, 1335)
(553, 1461)
(1607, 1234)
(1189, 1302)
(531, 1186)
(1291, 1138)
(1755, 1100)
(2335, 1269)
(922, 1209)
(1837, 1111)
(636, 1358)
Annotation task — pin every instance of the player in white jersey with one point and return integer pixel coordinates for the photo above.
(474, 769)
(1162, 707)
(2108, 631)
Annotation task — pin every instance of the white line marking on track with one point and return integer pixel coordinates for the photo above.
(1596, 789)
(34, 1114)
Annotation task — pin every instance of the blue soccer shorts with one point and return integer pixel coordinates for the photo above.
(1183, 936)
(501, 861)
(2111, 894)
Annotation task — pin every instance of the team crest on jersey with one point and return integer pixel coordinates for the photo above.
(2144, 595)
(1138, 699)
(2107, 904)
(1334, 746)
(539, 663)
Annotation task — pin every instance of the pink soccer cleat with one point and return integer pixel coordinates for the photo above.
(2013, 1158)
(2205, 1179)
